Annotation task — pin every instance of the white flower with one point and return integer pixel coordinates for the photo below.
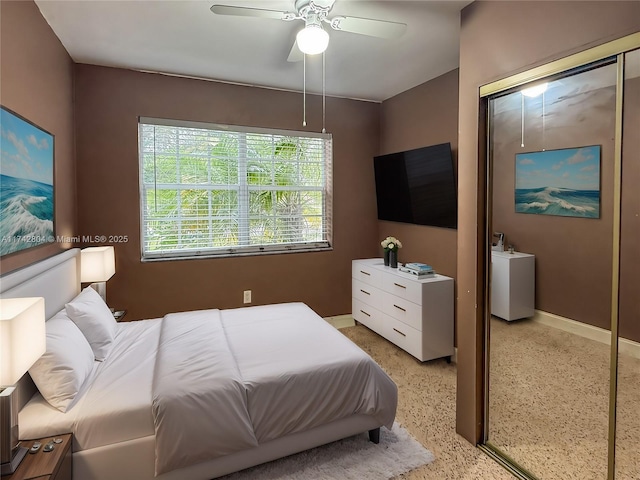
(391, 243)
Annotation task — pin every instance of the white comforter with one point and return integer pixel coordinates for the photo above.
(228, 380)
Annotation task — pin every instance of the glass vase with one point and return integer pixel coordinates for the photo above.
(386, 257)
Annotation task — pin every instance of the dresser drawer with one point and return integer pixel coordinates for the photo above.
(407, 338)
(413, 313)
(401, 309)
(366, 273)
(400, 286)
(366, 293)
(366, 315)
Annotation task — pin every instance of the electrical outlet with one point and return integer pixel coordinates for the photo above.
(247, 296)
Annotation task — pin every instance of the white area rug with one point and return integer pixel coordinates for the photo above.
(354, 458)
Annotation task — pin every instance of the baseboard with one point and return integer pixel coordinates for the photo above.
(625, 346)
(341, 321)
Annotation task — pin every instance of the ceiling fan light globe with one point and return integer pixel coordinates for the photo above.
(312, 39)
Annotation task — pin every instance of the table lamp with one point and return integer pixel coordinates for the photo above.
(97, 265)
(22, 342)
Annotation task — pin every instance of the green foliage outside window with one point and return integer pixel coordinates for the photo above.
(218, 191)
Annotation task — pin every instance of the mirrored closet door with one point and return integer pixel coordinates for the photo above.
(627, 451)
(563, 271)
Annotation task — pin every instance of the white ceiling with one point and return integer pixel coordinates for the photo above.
(183, 37)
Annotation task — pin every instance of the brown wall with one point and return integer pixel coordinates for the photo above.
(573, 255)
(37, 83)
(425, 115)
(499, 39)
(109, 102)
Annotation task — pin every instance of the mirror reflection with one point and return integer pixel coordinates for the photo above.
(627, 460)
(552, 166)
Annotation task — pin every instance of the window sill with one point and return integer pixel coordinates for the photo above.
(203, 256)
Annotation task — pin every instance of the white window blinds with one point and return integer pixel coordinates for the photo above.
(216, 190)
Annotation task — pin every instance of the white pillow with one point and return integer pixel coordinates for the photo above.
(94, 319)
(65, 365)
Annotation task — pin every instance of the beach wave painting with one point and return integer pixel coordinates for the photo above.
(26, 184)
(562, 182)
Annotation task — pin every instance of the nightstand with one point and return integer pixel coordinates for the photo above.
(54, 465)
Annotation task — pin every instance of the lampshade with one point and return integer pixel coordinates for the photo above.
(97, 264)
(22, 336)
(312, 39)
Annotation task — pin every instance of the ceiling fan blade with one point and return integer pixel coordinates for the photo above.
(295, 55)
(249, 12)
(367, 26)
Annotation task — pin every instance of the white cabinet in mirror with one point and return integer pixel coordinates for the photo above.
(512, 285)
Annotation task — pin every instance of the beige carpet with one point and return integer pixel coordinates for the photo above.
(628, 419)
(426, 408)
(549, 402)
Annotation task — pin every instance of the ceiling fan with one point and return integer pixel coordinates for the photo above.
(313, 38)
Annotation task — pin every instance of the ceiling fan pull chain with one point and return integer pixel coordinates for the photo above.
(304, 90)
(543, 145)
(324, 95)
(522, 122)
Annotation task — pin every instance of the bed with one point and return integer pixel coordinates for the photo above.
(153, 407)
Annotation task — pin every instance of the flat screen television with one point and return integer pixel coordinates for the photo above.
(417, 186)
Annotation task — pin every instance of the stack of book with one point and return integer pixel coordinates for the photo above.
(421, 270)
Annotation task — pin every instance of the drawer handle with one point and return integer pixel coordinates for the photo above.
(368, 315)
(365, 292)
(399, 308)
(398, 285)
(365, 273)
(396, 330)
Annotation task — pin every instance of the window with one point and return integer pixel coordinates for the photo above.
(217, 190)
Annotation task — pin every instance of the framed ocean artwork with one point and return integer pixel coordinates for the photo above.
(26, 184)
(564, 182)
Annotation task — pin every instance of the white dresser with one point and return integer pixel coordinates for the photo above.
(415, 314)
(512, 285)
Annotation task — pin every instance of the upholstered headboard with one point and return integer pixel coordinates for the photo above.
(57, 279)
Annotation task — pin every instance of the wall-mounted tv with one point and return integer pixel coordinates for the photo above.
(417, 186)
